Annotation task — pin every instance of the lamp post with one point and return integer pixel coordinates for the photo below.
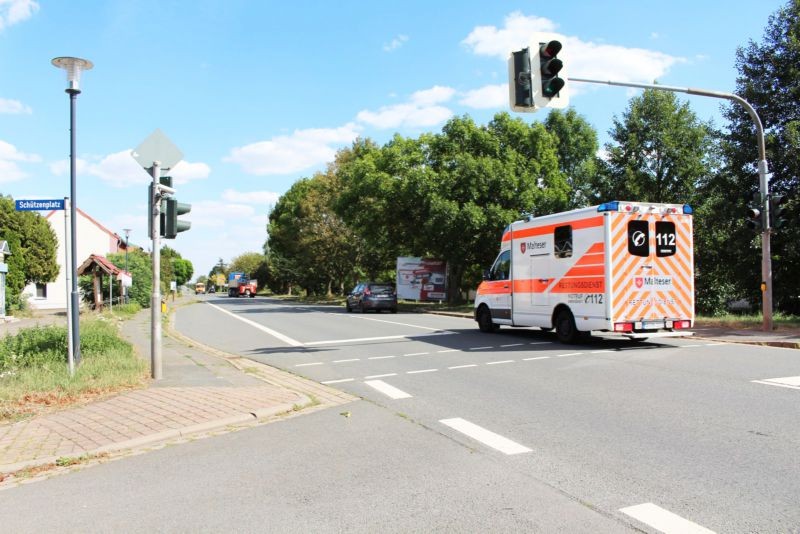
(127, 232)
(73, 66)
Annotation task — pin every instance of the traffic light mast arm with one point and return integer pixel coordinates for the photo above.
(766, 262)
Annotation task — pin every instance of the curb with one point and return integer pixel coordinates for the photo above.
(165, 435)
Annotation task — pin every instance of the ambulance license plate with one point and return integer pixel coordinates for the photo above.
(652, 325)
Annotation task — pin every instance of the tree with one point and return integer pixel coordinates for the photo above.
(659, 152)
(140, 265)
(577, 154)
(38, 242)
(769, 79)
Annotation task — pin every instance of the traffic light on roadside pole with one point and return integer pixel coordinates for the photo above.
(173, 226)
(776, 211)
(549, 80)
(755, 213)
(520, 88)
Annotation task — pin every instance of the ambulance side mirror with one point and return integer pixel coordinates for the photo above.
(487, 275)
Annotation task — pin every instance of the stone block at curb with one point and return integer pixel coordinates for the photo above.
(138, 442)
(237, 419)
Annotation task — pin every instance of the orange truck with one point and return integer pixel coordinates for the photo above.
(240, 285)
(621, 267)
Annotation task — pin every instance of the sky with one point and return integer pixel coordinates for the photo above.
(259, 94)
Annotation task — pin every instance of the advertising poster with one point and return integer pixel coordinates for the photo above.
(421, 278)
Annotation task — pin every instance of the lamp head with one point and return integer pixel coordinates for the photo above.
(73, 66)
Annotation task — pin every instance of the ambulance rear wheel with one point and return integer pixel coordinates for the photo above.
(485, 321)
(566, 331)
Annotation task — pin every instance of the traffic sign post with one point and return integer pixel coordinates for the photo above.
(154, 154)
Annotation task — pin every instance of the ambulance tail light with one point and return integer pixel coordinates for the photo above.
(609, 206)
(623, 327)
(681, 325)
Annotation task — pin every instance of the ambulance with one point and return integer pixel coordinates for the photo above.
(620, 267)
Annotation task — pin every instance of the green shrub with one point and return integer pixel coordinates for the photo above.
(33, 347)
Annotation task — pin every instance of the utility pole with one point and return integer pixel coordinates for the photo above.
(763, 178)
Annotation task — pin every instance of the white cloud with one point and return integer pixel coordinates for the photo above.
(10, 158)
(121, 170)
(184, 172)
(491, 41)
(14, 107)
(396, 43)
(286, 154)
(486, 97)
(263, 198)
(14, 11)
(435, 95)
(584, 59)
(420, 111)
(218, 214)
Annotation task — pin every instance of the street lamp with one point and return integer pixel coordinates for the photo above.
(73, 66)
(127, 232)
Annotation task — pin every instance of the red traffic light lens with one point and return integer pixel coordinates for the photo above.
(550, 49)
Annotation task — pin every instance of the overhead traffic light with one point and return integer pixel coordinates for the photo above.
(755, 213)
(172, 225)
(520, 82)
(776, 211)
(536, 76)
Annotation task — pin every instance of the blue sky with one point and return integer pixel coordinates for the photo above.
(258, 94)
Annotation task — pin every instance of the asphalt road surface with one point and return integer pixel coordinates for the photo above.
(460, 431)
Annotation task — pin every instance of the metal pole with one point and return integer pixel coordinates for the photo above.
(68, 273)
(74, 311)
(155, 299)
(763, 178)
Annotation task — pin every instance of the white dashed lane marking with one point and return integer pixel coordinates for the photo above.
(421, 371)
(380, 376)
(502, 361)
(791, 382)
(464, 366)
(663, 520)
(536, 358)
(339, 381)
(487, 437)
(349, 360)
(309, 364)
(388, 390)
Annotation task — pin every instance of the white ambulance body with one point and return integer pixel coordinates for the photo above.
(624, 267)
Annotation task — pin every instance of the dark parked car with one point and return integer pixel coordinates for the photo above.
(372, 296)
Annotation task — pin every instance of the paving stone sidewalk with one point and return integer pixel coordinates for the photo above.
(202, 390)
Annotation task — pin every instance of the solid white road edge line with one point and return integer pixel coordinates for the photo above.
(386, 389)
(270, 331)
(791, 382)
(663, 520)
(487, 437)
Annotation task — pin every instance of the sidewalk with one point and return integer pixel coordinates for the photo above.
(202, 391)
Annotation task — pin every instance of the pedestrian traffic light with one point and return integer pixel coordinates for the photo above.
(776, 211)
(520, 87)
(549, 80)
(173, 226)
(755, 213)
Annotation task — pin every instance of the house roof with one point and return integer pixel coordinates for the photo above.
(100, 261)
(120, 239)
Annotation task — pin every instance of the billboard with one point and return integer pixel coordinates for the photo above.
(421, 278)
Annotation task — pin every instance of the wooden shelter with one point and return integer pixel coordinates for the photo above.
(97, 266)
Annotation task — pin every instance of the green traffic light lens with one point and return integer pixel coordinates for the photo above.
(551, 88)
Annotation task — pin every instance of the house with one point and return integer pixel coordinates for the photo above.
(93, 238)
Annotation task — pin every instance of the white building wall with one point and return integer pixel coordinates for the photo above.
(92, 239)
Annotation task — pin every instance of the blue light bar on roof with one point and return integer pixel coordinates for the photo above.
(687, 209)
(609, 206)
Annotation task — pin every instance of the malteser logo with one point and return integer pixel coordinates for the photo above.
(522, 247)
(532, 245)
(657, 283)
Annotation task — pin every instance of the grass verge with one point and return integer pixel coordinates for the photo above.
(33, 370)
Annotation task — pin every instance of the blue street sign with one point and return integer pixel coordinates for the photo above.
(39, 205)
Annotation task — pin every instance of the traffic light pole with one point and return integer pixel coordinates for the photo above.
(155, 298)
(766, 259)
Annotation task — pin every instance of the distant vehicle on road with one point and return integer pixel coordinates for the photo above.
(199, 288)
(375, 296)
(240, 285)
(212, 289)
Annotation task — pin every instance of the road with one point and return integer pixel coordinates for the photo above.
(463, 431)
